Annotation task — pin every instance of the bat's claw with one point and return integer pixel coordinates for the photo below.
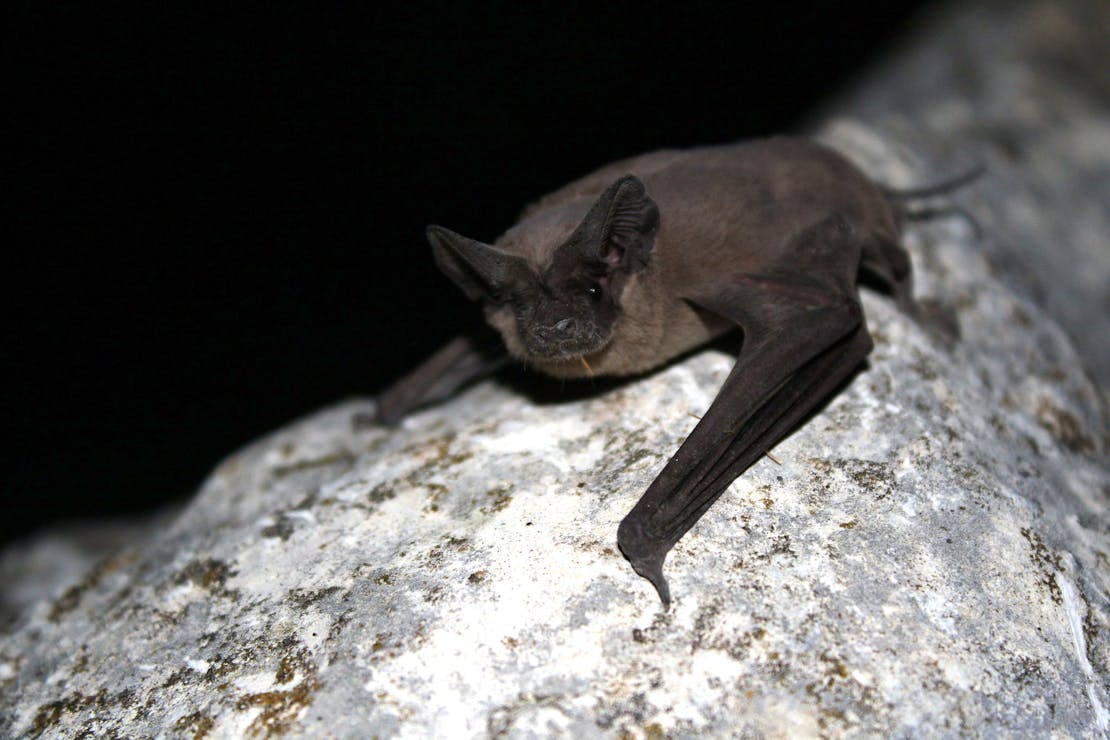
(653, 571)
(645, 556)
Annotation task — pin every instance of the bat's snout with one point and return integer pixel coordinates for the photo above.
(563, 338)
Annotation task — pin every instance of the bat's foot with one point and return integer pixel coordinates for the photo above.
(646, 557)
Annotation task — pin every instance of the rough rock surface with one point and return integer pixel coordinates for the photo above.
(1023, 87)
(931, 557)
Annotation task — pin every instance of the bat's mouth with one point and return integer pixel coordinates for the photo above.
(564, 341)
(571, 352)
(569, 360)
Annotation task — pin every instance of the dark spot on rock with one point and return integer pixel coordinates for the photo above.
(924, 366)
(381, 492)
(461, 544)
(71, 597)
(1064, 426)
(1027, 671)
(196, 724)
(780, 545)
(340, 458)
(286, 671)
(871, 476)
(636, 456)
(209, 574)
(499, 497)
(834, 666)
(48, 715)
(705, 622)
(1047, 561)
(307, 502)
(302, 598)
(176, 678)
(280, 529)
(81, 661)
(436, 493)
(280, 709)
(477, 576)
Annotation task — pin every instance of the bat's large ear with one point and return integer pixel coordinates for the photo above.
(483, 272)
(620, 227)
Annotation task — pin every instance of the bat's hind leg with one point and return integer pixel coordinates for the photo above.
(888, 264)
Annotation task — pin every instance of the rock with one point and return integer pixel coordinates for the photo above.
(1024, 88)
(36, 569)
(930, 557)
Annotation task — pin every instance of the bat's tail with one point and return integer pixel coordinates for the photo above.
(937, 188)
(898, 198)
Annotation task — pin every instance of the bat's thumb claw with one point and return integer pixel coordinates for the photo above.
(646, 557)
(660, 584)
(652, 569)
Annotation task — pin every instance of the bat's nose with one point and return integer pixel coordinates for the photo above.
(559, 336)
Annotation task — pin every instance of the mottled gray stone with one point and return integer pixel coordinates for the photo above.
(38, 568)
(931, 557)
(1023, 87)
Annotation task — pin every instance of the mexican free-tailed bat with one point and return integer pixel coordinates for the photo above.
(651, 256)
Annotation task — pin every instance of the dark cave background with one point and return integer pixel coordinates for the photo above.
(216, 215)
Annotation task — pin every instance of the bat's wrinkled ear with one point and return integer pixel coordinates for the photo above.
(620, 227)
(483, 272)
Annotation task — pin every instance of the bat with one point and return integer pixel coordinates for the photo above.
(652, 256)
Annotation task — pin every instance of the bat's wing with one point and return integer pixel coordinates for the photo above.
(804, 335)
(461, 361)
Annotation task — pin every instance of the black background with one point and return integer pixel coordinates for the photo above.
(215, 216)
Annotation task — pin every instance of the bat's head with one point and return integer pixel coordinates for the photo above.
(556, 298)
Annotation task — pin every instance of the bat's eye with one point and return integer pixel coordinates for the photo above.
(594, 292)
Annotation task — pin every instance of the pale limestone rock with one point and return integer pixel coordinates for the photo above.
(931, 557)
